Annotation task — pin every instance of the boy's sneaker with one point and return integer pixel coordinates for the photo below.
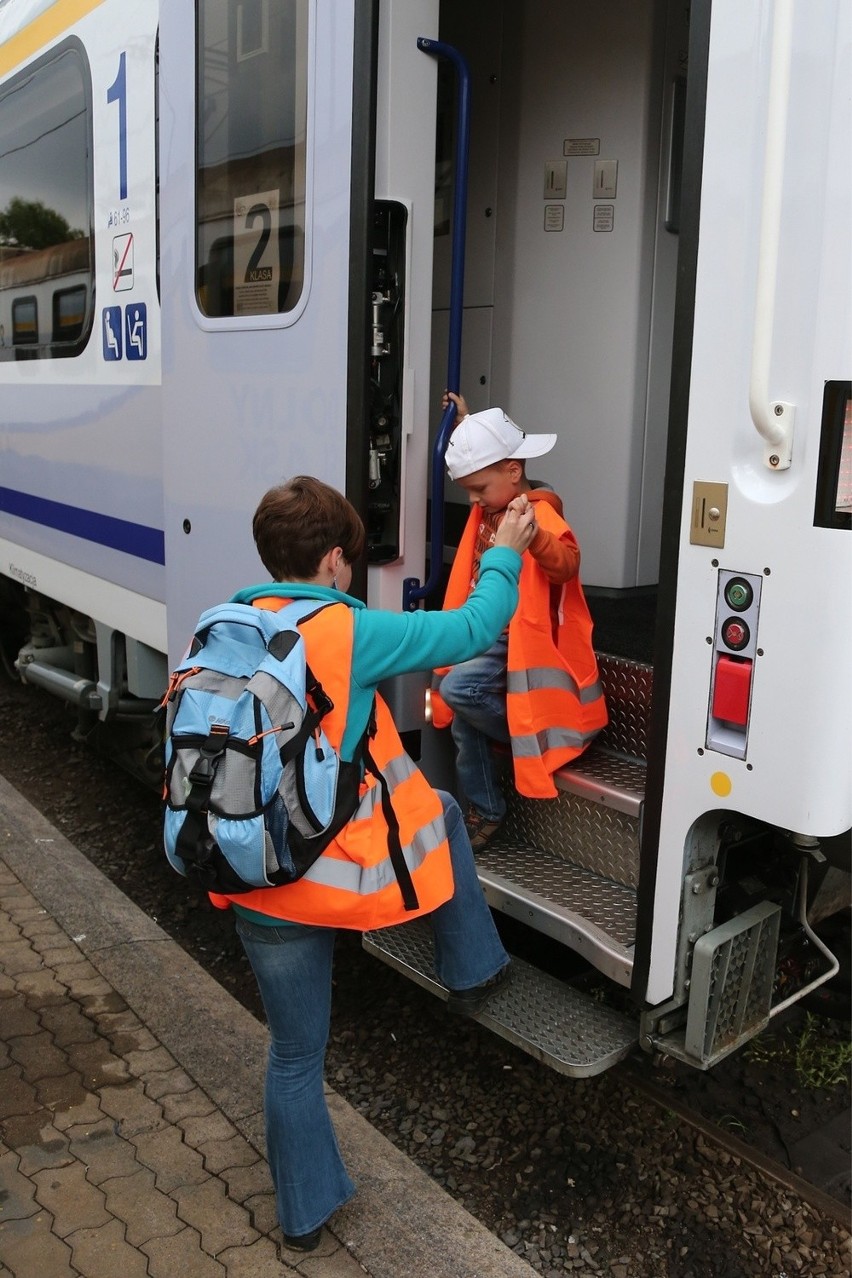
(469, 1002)
(481, 830)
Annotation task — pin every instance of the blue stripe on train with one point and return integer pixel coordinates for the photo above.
(119, 534)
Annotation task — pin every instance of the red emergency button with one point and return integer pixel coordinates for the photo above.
(732, 690)
(735, 633)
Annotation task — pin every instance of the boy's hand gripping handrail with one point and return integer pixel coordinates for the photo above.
(412, 591)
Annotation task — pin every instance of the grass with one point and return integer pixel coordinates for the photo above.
(821, 1062)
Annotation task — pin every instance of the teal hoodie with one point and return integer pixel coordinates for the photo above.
(395, 643)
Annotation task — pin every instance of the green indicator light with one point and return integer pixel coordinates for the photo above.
(738, 594)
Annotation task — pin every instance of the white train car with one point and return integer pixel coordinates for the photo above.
(245, 239)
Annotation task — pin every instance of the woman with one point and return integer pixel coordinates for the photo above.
(405, 852)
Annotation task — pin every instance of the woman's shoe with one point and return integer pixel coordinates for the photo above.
(303, 1242)
(469, 1002)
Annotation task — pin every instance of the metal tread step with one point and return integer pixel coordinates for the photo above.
(604, 777)
(592, 915)
(556, 1024)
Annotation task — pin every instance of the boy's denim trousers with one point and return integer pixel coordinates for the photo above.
(476, 693)
(293, 966)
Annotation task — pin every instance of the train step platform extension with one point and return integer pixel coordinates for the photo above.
(567, 1030)
(131, 1128)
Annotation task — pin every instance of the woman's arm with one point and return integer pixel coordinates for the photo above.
(389, 643)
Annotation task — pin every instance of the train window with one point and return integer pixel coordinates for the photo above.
(46, 176)
(834, 477)
(251, 127)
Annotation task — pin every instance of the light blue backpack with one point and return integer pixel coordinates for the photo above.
(254, 791)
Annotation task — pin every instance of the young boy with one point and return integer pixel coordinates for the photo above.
(537, 689)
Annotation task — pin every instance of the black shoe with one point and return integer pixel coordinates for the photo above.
(303, 1242)
(469, 1002)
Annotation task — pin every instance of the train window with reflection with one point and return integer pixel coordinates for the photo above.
(833, 507)
(46, 184)
(250, 184)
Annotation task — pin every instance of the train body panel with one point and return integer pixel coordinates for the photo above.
(228, 256)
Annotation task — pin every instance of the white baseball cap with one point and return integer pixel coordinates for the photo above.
(483, 439)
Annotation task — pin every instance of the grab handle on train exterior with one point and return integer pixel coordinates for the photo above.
(412, 591)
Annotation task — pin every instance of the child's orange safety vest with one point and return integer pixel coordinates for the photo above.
(554, 700)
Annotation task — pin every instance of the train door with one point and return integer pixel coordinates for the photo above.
(270, 239)
(571, 250)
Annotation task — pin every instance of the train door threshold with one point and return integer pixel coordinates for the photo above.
(554, 1023)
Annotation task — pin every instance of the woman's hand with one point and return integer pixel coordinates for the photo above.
(518, 526)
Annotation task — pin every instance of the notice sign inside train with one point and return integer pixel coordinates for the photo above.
(581, 146)
(256, 259)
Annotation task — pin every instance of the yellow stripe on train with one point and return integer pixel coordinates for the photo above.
(43, 30)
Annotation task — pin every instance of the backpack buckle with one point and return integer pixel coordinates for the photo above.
(204, 768)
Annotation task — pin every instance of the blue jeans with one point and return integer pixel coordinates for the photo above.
(476, 693)
(293, 965)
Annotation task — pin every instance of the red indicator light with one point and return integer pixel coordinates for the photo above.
(735, 633)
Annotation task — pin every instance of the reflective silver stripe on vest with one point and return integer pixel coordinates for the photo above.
(367, 879)
(533, 747)
(551, 677)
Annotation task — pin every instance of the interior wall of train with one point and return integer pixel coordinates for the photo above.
(572, 239)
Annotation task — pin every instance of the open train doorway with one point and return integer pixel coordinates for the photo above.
(570, 262)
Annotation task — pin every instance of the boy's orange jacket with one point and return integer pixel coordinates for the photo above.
(554, 700)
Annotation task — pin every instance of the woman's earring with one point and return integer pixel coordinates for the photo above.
(334, 584)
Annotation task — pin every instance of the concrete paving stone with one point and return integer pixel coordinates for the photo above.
(82, 979)
(171, 1160)
(247, 1180)
(30, 1250)
(19, 1019)
(39, 1057)
(156, 1061)
(259, 1260)
(102, 1151)
(262, 1209)
(7, 985)
(181, 1255)
(42, 930)
(133, 1111)
(221, 1155)
(71, 1200)
(9, 931)
(17, 1096)
(210, 1127)
(97, 1253)
(85, 1111)
(19, 957)
(96, 1063)
(194, 1104)
(220, 1222)
(17, 1192)
(67, 1024)
(60, 1093)
(42, 985)
(111, 1023)
(147, 1213)
(102, 1002)
(37, 1142)
(341, 1263)
(59, 954)
(176, 1082)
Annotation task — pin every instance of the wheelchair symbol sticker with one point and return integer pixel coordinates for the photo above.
(136, 331)
(112, 332)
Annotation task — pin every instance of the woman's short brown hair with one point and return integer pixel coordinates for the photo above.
(298, 522)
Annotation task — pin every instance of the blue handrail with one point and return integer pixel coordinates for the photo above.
(412, 591)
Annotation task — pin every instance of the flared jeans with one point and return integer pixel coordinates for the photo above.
(292, 964)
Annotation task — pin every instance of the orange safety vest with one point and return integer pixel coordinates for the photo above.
(554, 700)
(352, 884)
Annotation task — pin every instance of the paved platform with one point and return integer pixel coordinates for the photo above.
(131, 1131)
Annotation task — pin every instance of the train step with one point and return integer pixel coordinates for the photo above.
(569, 867)
(551, 1021)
